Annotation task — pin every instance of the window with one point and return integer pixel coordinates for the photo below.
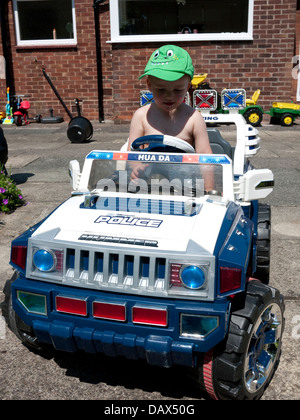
(181, 20)
(45, 22)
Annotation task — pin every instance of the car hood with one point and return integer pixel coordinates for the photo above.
(160, 224)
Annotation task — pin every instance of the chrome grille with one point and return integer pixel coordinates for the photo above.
(108, 270)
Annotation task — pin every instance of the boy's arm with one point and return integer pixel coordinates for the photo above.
(136, 126)
(200, 135)
(202, 146)
(136, 131)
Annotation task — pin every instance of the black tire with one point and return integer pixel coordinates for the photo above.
(18, 120)
(263, 250)
(242, 367)
(253, 117)
(287, 120)
(23, 331)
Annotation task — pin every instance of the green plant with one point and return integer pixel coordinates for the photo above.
(10, 196)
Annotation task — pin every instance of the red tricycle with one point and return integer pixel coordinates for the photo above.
(21, 114)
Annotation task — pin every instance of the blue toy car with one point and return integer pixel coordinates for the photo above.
(159, 267)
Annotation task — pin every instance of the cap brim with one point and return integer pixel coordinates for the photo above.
(170, 76)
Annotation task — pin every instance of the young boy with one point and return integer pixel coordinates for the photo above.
(169, 73)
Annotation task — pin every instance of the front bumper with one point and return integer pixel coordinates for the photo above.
(162, 345)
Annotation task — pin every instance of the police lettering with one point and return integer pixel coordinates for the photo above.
(155, 158)
(129, 221)
(211, 118)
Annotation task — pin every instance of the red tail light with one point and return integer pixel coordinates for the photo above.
(109, 311)
(150, 316)
(71, 306)
(19, 255)
(230, 279)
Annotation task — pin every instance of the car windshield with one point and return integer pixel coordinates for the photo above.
(156, 178)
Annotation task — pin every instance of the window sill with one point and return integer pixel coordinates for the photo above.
(182, 38)
(46, 47)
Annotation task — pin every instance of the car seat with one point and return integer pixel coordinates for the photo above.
(218, 145)
(254, 99)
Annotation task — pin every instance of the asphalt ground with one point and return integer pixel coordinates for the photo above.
(39, 156)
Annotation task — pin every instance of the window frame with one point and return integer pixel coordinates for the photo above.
(43, 42)
(298, 83)
(224, 36)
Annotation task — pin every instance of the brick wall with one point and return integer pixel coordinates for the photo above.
(264, 63)
(72, 70)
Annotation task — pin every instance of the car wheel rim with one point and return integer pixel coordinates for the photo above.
(288, 120)
(254, 118)
(263, 349)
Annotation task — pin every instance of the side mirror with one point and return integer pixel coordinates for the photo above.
(254, 185)
(74, 172)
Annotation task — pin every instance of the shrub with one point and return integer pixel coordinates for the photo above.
(10, 196)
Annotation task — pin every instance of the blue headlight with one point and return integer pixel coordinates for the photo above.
(44, 260)
(192, 276)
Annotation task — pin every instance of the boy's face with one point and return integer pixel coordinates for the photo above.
(168, 95)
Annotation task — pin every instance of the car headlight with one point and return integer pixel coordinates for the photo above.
(192, 276)
(44, 260)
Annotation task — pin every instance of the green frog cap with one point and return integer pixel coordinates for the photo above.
(169, 63)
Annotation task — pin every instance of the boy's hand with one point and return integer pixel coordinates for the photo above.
(138, 170)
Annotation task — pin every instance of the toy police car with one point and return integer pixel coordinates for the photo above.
(157, 267)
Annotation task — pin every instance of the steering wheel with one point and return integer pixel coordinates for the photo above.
(162, 143)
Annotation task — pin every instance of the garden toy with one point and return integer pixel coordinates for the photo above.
(20, 116)
(284, 113)
(158, 268)
(80, 129)
(8, 110)
(280, 112)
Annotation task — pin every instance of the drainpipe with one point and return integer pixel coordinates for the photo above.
(99, 59)
(6, 54)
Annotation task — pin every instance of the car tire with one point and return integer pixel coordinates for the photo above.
(263, 245)
(287, 120)
(253, 117)
(242, 367)
(23, 331)
(18, 120)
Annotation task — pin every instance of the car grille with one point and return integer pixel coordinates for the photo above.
(143, 270)
(115, 271)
